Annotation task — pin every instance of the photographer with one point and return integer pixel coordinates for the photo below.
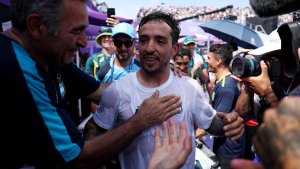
(266, 73)
(275, 78)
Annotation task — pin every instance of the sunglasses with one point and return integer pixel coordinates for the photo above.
(119, 43)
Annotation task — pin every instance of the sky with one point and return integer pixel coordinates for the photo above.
(129, 8)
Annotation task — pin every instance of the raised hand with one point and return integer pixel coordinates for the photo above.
(197, 66)
(172, 151)
(112, 21)
(178, 72)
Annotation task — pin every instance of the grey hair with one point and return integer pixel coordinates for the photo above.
(49, 10)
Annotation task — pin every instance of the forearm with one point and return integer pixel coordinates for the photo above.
(216, 127)
(245, 102)
(203, 75)
(103, 147)
(92, 130)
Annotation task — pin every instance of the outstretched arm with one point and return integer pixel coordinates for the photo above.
(227, 124)
(98, 150)
(172, 151)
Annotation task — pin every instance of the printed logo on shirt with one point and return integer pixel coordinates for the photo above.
(62, 89)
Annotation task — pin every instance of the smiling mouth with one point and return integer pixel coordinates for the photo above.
(151, 61)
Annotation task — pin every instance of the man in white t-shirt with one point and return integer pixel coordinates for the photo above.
(158, 35)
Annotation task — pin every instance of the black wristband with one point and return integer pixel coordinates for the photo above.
(268, 99)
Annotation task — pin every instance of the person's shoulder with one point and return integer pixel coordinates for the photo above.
(125, 80)
(96, 55)
(231, 81)
(187, 80)
(125, 84)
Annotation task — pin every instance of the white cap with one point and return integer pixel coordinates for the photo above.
(273, 44)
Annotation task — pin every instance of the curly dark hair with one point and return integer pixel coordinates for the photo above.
(164, 17)
(183, 52)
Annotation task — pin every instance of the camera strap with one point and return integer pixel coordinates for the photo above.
(286, 92)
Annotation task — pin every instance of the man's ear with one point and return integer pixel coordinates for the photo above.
(220, 62)
(35, 26)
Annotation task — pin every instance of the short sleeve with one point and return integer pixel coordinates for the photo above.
(203, 112)
(107, 111)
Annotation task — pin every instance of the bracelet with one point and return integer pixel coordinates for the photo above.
(268, 93)
(269, 98)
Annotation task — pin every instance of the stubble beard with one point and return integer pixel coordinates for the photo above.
(154, 70)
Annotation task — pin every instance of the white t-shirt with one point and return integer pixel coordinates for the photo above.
(123, 97)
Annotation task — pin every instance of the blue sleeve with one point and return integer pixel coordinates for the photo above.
(107, 114)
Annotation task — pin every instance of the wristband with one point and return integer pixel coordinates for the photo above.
(268, 99)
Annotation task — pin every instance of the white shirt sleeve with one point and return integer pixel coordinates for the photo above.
(203, 112)
(107, 111)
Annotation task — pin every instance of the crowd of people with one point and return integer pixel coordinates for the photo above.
(148, 97)
(241, 13)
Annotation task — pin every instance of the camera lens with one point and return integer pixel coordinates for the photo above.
(245, 67)
(238, 67)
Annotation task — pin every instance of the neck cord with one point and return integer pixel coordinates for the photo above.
(113, 68)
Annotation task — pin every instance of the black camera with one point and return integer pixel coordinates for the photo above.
(245, 67)
(287, 58)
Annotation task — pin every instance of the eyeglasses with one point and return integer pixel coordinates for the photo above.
(119, 43)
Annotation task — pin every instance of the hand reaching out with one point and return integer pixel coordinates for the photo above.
(234, 124)
(197, 66)
(172, 151)
(178, 72)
